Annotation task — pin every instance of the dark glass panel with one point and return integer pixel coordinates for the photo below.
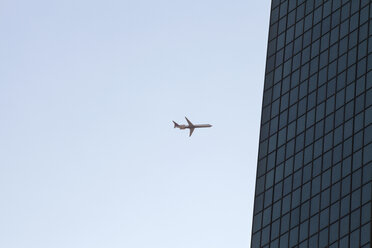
(365, 236)
(304, 229)
(305, 210)
(333, 232)
(366, 213)
(335, 212)
(344, 226)
(268, 197)
(278, 189)
(265, 235)
(355, 199)
(323, 238)
(275, 229)
(276, 210)
(284, 223)
(314, 224)
(293, 236)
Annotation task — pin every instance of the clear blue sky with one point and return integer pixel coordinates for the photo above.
(88, 92)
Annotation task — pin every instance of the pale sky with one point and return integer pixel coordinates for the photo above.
(88, 91)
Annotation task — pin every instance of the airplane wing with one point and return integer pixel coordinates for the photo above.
(191, 130)
(190, 124)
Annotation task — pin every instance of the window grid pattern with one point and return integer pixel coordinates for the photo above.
(314, 172)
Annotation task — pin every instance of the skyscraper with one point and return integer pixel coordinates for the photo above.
(314, 171)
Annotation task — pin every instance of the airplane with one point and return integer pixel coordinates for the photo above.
(190, 126)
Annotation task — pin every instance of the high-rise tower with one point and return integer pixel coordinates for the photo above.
(314, 172)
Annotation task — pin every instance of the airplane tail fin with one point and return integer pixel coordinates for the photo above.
(175, 124)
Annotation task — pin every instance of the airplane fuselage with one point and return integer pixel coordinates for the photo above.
(195, 126)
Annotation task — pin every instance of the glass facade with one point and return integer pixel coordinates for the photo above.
(314, 171)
